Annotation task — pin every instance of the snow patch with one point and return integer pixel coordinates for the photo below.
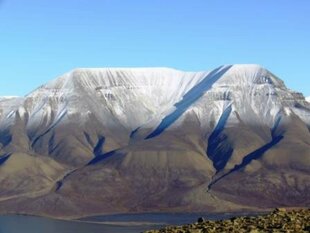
(8, 97)
(287, 111)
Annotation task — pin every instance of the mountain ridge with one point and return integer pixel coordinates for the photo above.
(159, 139)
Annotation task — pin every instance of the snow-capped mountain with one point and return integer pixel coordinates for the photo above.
(308, 99)
(147, 139)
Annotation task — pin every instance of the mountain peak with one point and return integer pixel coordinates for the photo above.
(250, 66)
(86, 75)
(79, 70)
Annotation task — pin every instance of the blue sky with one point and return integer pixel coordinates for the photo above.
(41, 39)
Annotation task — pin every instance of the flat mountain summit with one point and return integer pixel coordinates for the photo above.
(128, 140)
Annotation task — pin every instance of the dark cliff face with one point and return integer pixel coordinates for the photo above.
(100, 141)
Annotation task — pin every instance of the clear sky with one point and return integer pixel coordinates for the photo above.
(41, 39)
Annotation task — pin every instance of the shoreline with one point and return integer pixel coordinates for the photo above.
(84, 218)
(280, 219)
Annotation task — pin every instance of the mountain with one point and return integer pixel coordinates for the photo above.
(308, 99)
(119, 140)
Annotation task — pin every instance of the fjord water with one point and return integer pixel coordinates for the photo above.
(29, 224)
(123, 223)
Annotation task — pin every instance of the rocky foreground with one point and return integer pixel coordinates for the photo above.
(280, 220)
